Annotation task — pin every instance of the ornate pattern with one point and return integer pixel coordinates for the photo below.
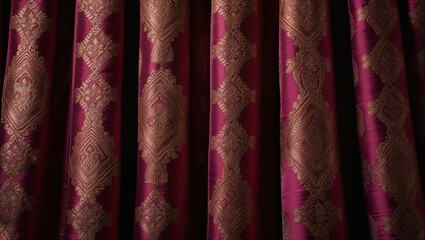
(88, 217)
(396, 170)
(25, 91)
(308, 136)
(385, 60)
(319, 215)
(312, 15)
(230, 204)
(155, 214)
(93, 163)
(162, 113)
(373, 229)
(162, 20)
(162, 123)
(380, 15)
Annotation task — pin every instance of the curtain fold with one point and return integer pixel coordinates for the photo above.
(185, 119)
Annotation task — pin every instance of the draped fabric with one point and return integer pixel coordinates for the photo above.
(221, 119)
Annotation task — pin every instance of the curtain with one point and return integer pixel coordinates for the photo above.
(221, 119)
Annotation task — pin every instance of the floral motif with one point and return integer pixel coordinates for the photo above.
(230, 205)
(155, 214)
(380, 15)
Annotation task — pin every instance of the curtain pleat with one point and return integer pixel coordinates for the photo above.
(312, 194)
(185, 119)
(92, 179)
(163, 118)
(390, 164)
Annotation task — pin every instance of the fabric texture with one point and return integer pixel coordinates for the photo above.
(221, 119)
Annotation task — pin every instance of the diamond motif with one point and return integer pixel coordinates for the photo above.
(385, 60)
(24, 93)
(319, 215)
(233, 51)
(92, 163)
(16, 155)
(391, 108)
(87, 218)
(96, 49)
(230, 206)
(30, 23)
(406, 223)
(13, 201)
(162, 123)
(162, 20)
(232, 143)
(304, 21)
(97, 10)
(94, 95)
(155, 214)
(309, 145)
(233, 97)
(397, 170)
(380, 15)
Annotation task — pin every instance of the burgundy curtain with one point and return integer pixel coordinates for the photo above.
(221, 119)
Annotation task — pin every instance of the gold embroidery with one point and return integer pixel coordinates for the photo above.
(13, 201)
(87, 218)
(385, 60)
(380, 15)
(318, 209)
(308, 141)
(97, 10)
(233, 51)
(96, 49)
(230, 204)
(232, 143)
(16, 155)
(162, 112)
(304, 21)
(162, 124)
(155, 214)
(162, 20)
(286, 234)
(23, 107)
(396, 170)
(93, 163)
(233, 97)
(233, 12)
(417, 17)
(406, 223)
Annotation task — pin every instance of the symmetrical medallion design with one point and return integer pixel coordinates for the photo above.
(230, 203)
(25, 92)
(93, 163)
(309, 144)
